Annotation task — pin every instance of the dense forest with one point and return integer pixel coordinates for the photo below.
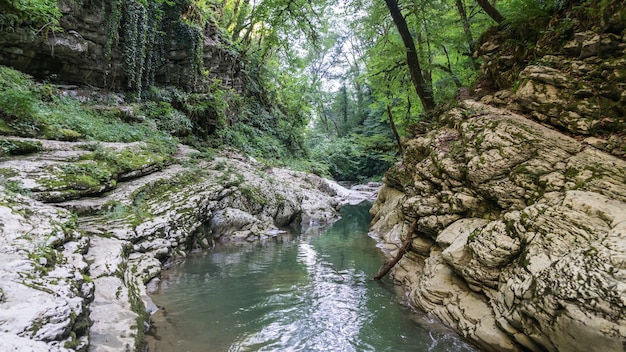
(324, 86)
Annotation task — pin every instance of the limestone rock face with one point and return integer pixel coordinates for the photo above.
(44, 292)
(525, 232)
(95, 46)
(80, 238)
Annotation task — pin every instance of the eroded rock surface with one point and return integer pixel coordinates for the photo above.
(82, 232)
(521, 235)
(574, 80)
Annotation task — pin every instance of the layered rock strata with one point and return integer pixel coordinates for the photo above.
(81, 234)
(123, 44)
(521, 236)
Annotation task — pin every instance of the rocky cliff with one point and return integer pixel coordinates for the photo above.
(572, 77)
(521, 219)
(124, 44)
(86, 225)
(520, 242)
(521, 210)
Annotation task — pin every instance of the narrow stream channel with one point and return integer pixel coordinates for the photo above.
(307, 292)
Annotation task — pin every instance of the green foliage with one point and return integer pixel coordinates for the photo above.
(168, 119)
(36, 15)
(18, 147)
(355, 158)
(525, 19)
(253, 142)
(12, 186)
(19, 109)
(39, 111)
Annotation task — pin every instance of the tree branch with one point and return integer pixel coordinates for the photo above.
(405, 247)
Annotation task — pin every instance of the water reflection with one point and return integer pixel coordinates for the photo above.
(294, 293)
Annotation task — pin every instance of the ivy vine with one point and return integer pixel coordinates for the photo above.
(136, 28)
(113, 25)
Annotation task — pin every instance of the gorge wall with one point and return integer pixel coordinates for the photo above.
(521, 233)
(126, 44)
(521, 219)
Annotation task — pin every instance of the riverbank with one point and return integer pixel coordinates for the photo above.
(82, 235)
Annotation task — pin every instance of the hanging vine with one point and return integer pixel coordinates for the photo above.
(154, 46)
(113, 25)
(136, 28)
(134, 42)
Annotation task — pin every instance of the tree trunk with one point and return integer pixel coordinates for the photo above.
(405, 247)
(424, 91)
(466, 25)
(448, 69)
(491, 11)
(395, 131)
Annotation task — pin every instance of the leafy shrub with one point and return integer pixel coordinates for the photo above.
(13, 78)
(19, 108)
(169, 119)
(526, 18)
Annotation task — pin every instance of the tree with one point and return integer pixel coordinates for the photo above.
(491, 10)
(424, 91)
(466, 24)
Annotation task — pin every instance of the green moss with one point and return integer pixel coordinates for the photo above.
(254, 194)
(8, 172)
(472, 237)
(62, 134)
(87, 177)
(137, 305)
(571, 173)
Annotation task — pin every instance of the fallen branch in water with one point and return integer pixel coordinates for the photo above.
(405, 247)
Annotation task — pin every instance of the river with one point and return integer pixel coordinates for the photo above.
(296, 292)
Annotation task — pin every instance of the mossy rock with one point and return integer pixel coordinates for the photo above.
(18, 147)
(63, 134)
(6, 129)
(75, 180)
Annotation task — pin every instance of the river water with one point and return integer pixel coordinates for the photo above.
(306, 292)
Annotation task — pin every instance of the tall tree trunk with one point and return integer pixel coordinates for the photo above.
(344, 108)
(466, 25)
(424, 41)
(491, 11)
(424, 91)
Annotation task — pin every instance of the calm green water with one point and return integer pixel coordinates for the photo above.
(310, 292)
